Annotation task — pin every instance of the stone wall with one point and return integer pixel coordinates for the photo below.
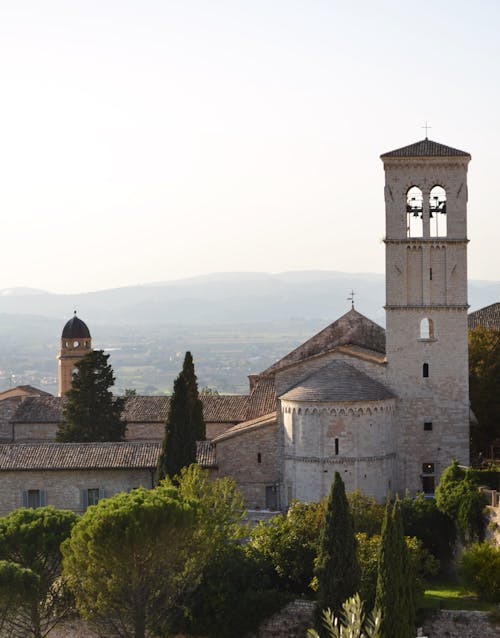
(292, 621)
(252, 459)
(63, 489)
(461, 624)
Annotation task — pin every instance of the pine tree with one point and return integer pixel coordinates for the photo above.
(394, 598)
(91, 413)
(196, 406)
(337, 568)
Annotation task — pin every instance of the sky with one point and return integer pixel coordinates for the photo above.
(150, 140)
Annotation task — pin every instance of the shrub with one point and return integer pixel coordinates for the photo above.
(479, 566)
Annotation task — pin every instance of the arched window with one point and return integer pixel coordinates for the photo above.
(414, 208)
(426, 328)
(437, 212)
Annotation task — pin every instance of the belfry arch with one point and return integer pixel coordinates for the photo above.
(437, 212)
(414, 212)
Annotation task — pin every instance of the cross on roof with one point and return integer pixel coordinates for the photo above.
(426, 126)
(351, 299)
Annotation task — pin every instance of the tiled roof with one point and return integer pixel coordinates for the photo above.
(148, 409)
(205, 454)
(353, 329)
(487, 317)
(338, 382)
(240, 428)
(262, 399)
(79, 456)
(25, 389)
(426, 148)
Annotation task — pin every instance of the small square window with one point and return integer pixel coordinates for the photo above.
(428, 468)
(33, 498)
(428, 426)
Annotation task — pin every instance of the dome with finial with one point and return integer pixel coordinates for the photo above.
(75, 329)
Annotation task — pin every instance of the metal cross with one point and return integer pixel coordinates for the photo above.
(426, 126)
(351, 299)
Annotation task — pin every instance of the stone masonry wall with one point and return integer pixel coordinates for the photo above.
(63, 489)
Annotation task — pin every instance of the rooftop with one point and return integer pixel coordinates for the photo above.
(426, 148)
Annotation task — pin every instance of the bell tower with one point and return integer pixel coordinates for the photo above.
(426, 308)
(76, 342)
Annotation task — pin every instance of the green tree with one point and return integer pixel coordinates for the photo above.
(337, 569)
(367, 514)
(31, 539)
(458, 496)
(393, 597)
(91, 413)
(291, 543)
(184, 426)
(352, 622)
(195, 406)
(18, 589)
(131, 558)
(484, 388)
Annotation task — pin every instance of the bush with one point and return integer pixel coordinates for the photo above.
(367, 514)
(479, 566)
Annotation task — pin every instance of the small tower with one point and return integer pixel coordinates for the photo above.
(426, 308)
(76, 342)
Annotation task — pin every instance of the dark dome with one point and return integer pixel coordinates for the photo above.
(75, 329)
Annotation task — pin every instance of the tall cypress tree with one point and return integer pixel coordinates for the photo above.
(196, 406)
(184, 425)
(91, 413)
(394, 598)
(337, 567)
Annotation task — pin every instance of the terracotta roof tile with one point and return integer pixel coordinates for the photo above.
(148, 409)
(240, 428)
(426, 148)
(262, 400)
(487, 317)
(205, 454)
(79, 456)
(338, 382)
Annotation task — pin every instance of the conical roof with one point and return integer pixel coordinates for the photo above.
(338, 382)
(75, 329)
(426, 148)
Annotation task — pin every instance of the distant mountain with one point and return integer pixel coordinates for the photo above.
(224, 298)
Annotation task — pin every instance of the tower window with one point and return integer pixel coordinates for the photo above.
(430, 274)
(437, 212)
(425, 370)
(259, 457)
(426, 328)
(336, 447)
(428, 426)
(414, 211)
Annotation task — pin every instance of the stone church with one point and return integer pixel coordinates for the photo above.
(388, 409)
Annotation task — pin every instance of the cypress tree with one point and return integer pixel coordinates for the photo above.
(91, 413)
(184, 425)
(394, 598)
(337, 568)
(196, 406)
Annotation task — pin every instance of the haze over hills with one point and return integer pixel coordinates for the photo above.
(224, 298)
(234, 323)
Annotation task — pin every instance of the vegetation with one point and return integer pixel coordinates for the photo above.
(91, 413)
(184, 426)
(458, 497)
(367, 514)
(395, 591)
(479, 566)
(353, 622)
(337, 569)
(131, 557)
(31, 539)
(484, 388)
(290, 543)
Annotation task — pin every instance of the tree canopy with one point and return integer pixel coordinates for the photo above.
(31, 538)
(131, 558)
(484, 388)
(184, 426)
(91, 413)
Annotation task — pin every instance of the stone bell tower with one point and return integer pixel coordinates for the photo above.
(426, 308)
(76, 342)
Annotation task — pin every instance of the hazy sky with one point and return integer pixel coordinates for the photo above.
(145, 140)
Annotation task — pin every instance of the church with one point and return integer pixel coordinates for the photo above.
(388, 409)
